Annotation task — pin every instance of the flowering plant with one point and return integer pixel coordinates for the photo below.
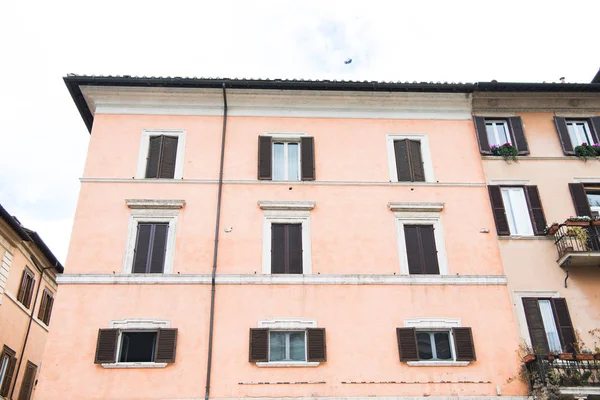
(507, 151)
(586, 151)
(580, 218)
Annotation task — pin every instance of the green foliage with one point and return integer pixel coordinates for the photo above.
(507, 151)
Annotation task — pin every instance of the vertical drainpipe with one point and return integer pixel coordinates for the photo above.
(216, 249)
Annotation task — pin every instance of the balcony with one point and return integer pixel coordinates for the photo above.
(577, 243)
(573, 377)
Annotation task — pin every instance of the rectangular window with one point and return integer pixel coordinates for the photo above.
(497, 132)
(593, 197)
(421, 249)
(286, 248)
(3, 368)
(517, 211)
(162, 155)
(138, 346)
(286, 161)
(26, 288)
(409, 160)
(579, 132)
(287, 346)
(150, 248)
(434, 345)
(46, 307)
(550, 326)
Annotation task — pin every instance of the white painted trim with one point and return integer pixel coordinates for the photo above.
(510, 182)
(415, 207)
(494, 115)
(286, 136)
(140, 323)
(129, 365)
(140, 215)
(580, 391)
(258, 279)
(424, 323)
(155, 204)
(438, 363)
(286, 213)
(27, 311)
(586, 180)
(5, 263)
(518, 304)
(425, 154)
(522, 237)
(287, 323)
(145, 144)
(287, 364)
(424, 219)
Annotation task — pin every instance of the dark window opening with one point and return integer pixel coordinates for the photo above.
(434, 345)
(138, 346)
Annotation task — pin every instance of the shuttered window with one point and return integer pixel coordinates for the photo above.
(287, 346)
(136, 346)
(162, 155)
(28, 381)
(26, 288)
(286, 248)
(496, 132)
(574, 132)
(8, 362)
(421, 250)
(150, 248)
(409, 160)
(549, 324)
(517, 210)
(282, 160)
(454, 344)
(46, 307)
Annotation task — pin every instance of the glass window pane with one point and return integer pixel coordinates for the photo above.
(293, 162)
(550, 326)
(3, 367)
(297, 351)
(278, 161)
(277, 346)
(490, 134)
(138, 346)
(575, 141)
(502, 134)
(594, 199)
(424, 344)
(517, 211)
(442, 345)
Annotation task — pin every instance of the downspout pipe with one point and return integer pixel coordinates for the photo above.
(216, 249)
(31, 316)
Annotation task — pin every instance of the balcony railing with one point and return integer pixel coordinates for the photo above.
(565, 373)
(577, 243)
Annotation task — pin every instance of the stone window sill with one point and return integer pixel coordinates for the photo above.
(287, 364)
(516, 237)
(134, 365)
(438, 363)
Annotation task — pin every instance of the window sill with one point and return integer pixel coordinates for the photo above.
(134, 365)
(517, 237)
(438, 363)
(286, 364)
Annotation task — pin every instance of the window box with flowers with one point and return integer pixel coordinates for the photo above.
(586, 151)
(506, 151)
(579, 221)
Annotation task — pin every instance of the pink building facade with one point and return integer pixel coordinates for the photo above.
(282, 239)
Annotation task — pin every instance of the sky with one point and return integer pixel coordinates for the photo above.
(43, 141)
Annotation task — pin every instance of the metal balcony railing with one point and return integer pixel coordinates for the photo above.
(565, 373)
(581, 238)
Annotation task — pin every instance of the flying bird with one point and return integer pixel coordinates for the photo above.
(348, 61)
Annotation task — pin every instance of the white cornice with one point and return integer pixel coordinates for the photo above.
(286, 205)
(415, 207)
(557, 102)
(241, 102)
(155, 204)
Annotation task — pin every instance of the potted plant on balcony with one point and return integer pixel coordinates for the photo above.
(506, 151)
(552, 228)
(578, 221)
(585, 354)
(586, 151)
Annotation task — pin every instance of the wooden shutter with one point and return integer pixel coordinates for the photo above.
(43, 305)
(168, 156)
(265, 149)
(159, 247)
(29, 288)
(481, 130)
(498, 210)
(106, 347)
(153, 159)
(317, 346)
(429, 250)
(142, 248)
(259, 345)
(49, 306)
(563, 135)
(402, 160)
(594, 124)
(564, 324)
(413, 250)
(407, 344)
(166, 345)
(538, 220)
(535, 324)
(294, 246)
(286, 248)
(28, 381)
(421, 250)
(580, 200)
(10, 370)
(278, 245)
(22, 288)
(307, 147)
(463, 344)
(416, 161)
(518, 135)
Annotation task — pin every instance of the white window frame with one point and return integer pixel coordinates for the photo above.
(288, 325)
(151, 211)
(431, 332)
(285, 138)
(425, 155)
(518, 303)
(145, 146)
(287, 346)
(432, 325)
(495, 123)
(510, 211)
(3, 367)
(286, 212)
(586, 126)
(419, 214)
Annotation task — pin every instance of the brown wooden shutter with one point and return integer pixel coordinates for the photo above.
(563, 135)
(166, 345)
(307, 147)
(518, 135)
(535, 324)
(10, 370)
(29, 291)
(481, 130)
(22, 288)
(580, 200)
(106, 347)
(421, 250)
(278, 246)
(294, 239)
(413, 249)
(142, 248)
(48, 312)
(407, 344)
(265, 149)
(416, 161)
(168, 157)
(595, 128)
(538, 220)
(429, 250)
(28, 381)
(159, 248)
(498, 210)
(564, 324)
(317, 346)
(463, 344)
(402, 160)
(259, 345)
(153, 159)
(43, 305)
